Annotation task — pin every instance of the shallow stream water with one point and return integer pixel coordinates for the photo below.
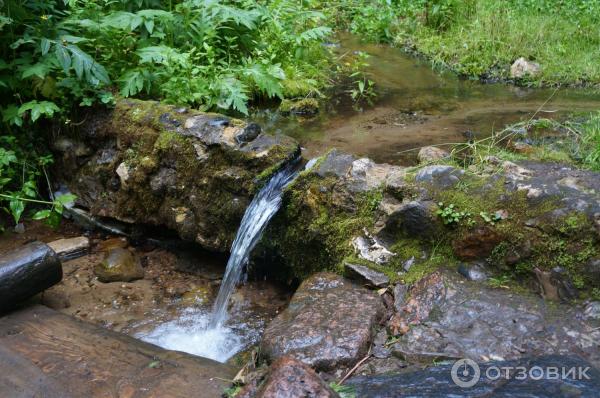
(418, 106)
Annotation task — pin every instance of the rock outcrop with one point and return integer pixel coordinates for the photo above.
(155, 164)
(510, 217)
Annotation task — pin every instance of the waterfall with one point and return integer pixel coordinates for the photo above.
(262, 208)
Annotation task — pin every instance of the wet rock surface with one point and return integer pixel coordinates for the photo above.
(366, 275)
(436, 381)
(327, 325)
(448, 317)
(119, 265)
(290, 378)
(154, 164)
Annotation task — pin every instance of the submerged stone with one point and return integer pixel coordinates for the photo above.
(327, 325)
(119, 265)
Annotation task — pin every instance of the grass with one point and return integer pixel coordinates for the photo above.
(491, 37)
(483, 38)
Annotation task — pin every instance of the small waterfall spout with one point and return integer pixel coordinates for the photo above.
(262, 208)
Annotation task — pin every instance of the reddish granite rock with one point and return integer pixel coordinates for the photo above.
(327, 325)
(290, 378)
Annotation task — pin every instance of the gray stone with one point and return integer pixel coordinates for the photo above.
(472, 271)
(522, 68)
(415, 218)
(336, 164)
(366, 275)
(439, 176)
(327, 325)
(400, 290)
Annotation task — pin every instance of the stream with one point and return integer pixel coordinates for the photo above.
(418, 106)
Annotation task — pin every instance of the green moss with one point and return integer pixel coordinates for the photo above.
(304, 106)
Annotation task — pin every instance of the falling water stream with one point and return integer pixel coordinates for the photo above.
(262, 208)
(202, 333)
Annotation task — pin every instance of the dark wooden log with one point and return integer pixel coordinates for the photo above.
(27, 271)
(44, 353)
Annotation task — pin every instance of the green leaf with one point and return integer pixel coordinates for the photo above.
(65, 199)
(40, 70)
(132, 83)
(37, 109)
(63, 57)
(86, 67)
(16, 209)
(11, 115)
(45, 45)
(7, 157)
(40, 215)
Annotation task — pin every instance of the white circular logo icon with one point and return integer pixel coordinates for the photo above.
(465, 373)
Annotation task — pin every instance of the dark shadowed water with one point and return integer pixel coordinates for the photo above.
(418, 106)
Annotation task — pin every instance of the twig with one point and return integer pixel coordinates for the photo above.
(355, 367)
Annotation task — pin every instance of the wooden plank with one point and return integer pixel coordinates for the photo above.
(47, 354)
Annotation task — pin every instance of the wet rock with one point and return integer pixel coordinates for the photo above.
(290, 378)
(436, 381)
(472, 271)
(70, 248)
(366, 275)
(452, 318)
(119, 265)
(431, 154)
(522, 68)
(327, 324)
(477, 244)
(439, 176)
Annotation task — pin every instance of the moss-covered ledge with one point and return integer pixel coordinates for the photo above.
(533, 224)
(189, 171)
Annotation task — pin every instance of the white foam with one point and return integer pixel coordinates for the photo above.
(189, 334)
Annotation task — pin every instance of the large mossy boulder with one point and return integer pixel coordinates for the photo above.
(155, 164)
